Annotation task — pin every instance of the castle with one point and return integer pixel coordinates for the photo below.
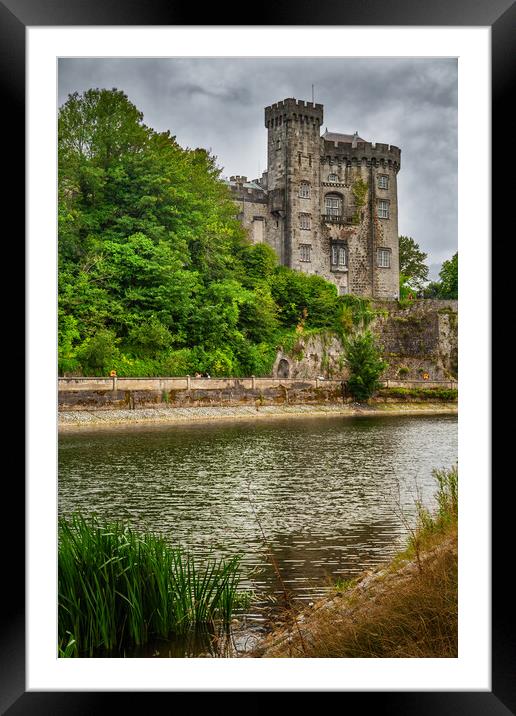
(326, 204)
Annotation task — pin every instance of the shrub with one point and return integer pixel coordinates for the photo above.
(365, 365)
(99, 353)
(150, 338)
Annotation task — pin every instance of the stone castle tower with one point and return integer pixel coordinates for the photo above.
(327, 203)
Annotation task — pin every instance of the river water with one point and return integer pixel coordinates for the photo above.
(330, 496)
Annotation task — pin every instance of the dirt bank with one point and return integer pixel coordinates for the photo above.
(407, 608)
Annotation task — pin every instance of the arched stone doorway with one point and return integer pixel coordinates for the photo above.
(283, 369)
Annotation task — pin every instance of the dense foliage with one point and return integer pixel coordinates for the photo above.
(365, 365)
(156, 276)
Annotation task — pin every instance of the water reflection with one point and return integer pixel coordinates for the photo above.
(327, 493)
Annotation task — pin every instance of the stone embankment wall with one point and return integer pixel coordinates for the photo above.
(420, 339)
(133, 393)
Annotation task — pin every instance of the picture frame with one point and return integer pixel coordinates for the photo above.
(15, 18)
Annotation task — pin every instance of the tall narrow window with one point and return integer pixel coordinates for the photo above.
(304, 252)
(383, 181)
(304, 190)
(304, 221)
(258, 229)
(338, 256)
(383, 258)
(333, 205)
(383, 209)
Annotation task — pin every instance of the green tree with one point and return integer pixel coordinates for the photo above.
(99, 353)
(449, 275)
(412, 263)
(365, 365)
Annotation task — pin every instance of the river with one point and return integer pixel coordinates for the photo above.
(331, 496)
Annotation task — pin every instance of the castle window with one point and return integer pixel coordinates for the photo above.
(333, 205)
(304, 252)
(383, 258)
(333, 178)
(338, 256)
(304, 221)
(383, 209)
(383, 181)
(278, 144)
(258, 229)
(304, 190)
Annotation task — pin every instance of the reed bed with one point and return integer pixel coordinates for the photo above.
(118, 587)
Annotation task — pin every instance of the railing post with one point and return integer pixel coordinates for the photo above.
(188, 382)
(253, 382)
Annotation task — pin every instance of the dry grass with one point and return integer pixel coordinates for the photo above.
(400, 611)
(406, 609)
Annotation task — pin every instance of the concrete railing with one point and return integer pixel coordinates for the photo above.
(184, 383)
(191, 383)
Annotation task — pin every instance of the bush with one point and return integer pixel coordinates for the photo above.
(99, 353)
(150, 337)
(363, 359)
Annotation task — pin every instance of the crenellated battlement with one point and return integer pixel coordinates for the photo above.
(356, 152)
(293, 110)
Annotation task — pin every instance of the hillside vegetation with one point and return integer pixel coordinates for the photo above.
(156, 276)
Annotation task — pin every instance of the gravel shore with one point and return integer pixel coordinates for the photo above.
(81, 419)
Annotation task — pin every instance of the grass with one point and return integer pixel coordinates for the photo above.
(118, 587)
(407, 609)
(450, 394)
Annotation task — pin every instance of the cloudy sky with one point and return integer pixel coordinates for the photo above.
(218, 103)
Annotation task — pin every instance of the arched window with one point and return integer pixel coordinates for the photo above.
(333, 204)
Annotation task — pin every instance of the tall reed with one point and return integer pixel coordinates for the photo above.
(118, 587)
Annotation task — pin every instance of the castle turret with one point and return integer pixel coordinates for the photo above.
(293, 158)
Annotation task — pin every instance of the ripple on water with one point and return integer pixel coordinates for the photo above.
(328, 494)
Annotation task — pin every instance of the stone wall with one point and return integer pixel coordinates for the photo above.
(311, 357)
(422, 338)
(202, 393)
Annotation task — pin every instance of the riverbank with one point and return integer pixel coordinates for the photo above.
(405, 609)
(84, 419)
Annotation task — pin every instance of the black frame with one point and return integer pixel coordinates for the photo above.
(500, 15)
